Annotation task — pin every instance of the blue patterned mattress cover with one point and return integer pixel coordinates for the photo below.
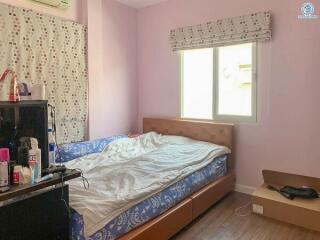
(71, 151)
(153, 206)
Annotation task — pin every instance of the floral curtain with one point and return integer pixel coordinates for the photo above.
(47, 50)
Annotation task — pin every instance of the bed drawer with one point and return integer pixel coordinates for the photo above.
(212, 193)
(166, 225)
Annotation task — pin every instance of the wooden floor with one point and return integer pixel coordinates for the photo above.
(221, 223)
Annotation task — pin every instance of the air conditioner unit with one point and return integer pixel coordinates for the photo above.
(55, 3)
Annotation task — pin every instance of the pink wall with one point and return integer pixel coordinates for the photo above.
(112, 68)
(74, 13)
(94, 21)
(286, 137)
(120, 67)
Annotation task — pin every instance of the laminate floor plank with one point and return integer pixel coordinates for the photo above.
(222, 223)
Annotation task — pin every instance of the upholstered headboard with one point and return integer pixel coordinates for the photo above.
(217, 133)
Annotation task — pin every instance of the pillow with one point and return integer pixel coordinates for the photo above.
(70, 151)
(133, 135)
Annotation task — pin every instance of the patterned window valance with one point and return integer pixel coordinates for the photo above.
(242, 29)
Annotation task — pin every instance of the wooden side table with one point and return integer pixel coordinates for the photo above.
(38, 211)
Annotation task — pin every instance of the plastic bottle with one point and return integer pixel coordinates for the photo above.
(35, 153)
(23, 151)
(52, 147)
(4, 167)
(32, 165)
(16, 175)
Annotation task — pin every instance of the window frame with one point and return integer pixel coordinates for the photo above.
(215, 98)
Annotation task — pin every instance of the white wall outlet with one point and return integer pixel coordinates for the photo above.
(257, 209)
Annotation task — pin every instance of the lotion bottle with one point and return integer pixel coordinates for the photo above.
(35, 154)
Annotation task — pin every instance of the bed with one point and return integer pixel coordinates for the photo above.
(171, 205)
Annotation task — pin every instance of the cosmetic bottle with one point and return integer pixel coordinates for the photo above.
(16, 175)
(35, 155)
(23, 151)
(4, 167)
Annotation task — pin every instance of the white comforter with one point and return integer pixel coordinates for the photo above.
(131, 170)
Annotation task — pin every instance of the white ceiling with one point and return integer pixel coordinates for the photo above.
(140, 3)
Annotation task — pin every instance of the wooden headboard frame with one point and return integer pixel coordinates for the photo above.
(217, 133)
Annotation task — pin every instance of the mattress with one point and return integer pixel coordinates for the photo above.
(129, 171)
(153, 206)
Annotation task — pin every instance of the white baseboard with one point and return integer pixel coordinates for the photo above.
(244, 189)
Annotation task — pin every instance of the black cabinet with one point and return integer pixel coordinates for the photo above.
(44, 216)
(24, 119)
(37, 211)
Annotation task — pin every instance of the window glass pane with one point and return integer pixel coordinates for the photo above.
(197, 85)
(235, 80)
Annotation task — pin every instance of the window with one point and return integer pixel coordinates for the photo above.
(219, 83)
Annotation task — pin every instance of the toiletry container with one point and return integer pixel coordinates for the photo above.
(52, 147)
(35, 155)
(23, 151)
(38, 92)
(17, 175)
(4, 167)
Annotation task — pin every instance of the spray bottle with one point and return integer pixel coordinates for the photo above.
(4, 167)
